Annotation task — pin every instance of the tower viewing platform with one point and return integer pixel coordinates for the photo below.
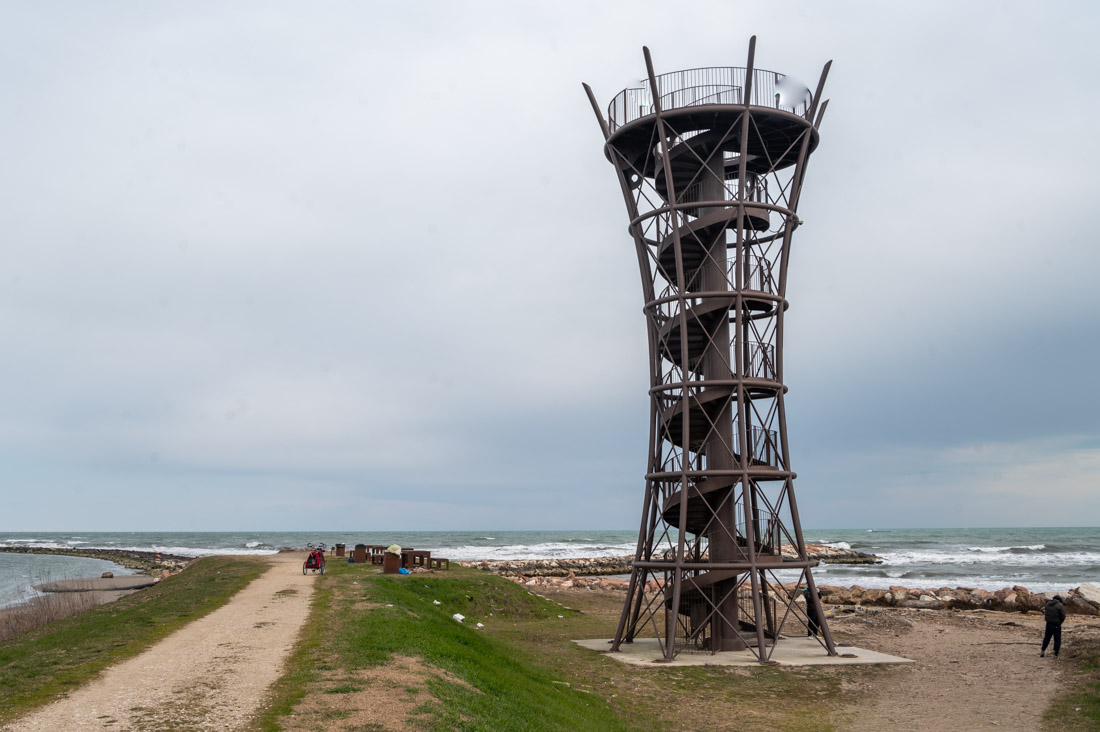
(711, 163)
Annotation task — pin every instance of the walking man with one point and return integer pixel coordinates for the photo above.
(1055, 615)
(813, 622)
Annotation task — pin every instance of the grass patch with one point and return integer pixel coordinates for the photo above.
(1078, 707)
(502, 689)
(345, 689)
(373, 635)
(38, 666)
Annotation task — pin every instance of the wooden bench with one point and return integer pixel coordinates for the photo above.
(411, 558)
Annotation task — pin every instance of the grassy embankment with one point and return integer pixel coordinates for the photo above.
(38, 666)
(379, 645)
(1078, 707)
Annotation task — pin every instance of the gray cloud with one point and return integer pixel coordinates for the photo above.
(374, 255)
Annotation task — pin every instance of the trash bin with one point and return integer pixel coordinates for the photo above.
(360, 553)
(391, 563)
(339, 550)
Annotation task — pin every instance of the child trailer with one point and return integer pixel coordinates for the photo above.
(316, 559)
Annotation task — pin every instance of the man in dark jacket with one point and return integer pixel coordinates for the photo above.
(1055, 615)
(813, 622)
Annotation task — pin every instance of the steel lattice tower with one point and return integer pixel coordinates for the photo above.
(711, 163)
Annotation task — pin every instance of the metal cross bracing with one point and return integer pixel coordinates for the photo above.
(711, 163)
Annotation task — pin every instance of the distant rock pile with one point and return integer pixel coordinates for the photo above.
(1083, 600)
(131, 559)
(832, 555)
(584, 583)
(594, 566)
(600, 566)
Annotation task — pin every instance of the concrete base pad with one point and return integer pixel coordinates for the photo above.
(788, 652)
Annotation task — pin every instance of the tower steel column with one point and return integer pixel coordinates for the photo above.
(711, 163)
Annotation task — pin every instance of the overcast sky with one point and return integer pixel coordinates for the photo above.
(304, 266)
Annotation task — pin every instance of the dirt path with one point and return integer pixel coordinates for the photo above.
(973, 670)
(211, 674)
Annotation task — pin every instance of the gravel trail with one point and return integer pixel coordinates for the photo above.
(210, 675)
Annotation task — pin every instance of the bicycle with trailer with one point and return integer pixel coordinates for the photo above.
(315, 562)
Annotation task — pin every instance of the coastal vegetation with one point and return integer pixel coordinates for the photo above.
(385, 651)
(41, 664)
(1078, 708)
(466, 649)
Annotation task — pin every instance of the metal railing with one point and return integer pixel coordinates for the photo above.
(701, 94)
(765, 527)
(710, 85)
(756, 190)
(761, 361)
(759, 275)
(763, 447)
(760, 364)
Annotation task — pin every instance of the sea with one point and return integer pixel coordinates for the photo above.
(1041, 559)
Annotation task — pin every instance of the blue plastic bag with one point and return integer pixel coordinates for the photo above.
(402, 570)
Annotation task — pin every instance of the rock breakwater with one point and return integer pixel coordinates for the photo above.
(131, 559)
(1083, 600)
(602, 566)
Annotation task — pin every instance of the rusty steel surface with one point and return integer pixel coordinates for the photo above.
(711, 163)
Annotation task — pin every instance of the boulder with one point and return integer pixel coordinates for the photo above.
(1090, 593)
(107, 575)
(873, 597)
(922, 604)
(1077, 605)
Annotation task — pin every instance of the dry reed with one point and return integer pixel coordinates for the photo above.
(37, 610)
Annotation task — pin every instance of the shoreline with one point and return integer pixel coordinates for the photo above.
(594, 573)
(144, 562)
(40, 606)
(1083, 600)
(600, 566)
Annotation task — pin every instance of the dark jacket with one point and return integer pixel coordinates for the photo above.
(1055, 612)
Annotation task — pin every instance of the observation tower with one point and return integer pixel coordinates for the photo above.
(711, 163)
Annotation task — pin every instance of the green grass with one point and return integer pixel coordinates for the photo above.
(495, 686)
(506, 690)
(1078, 708)
(38, 666)
(690, 697)
(521, 671)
